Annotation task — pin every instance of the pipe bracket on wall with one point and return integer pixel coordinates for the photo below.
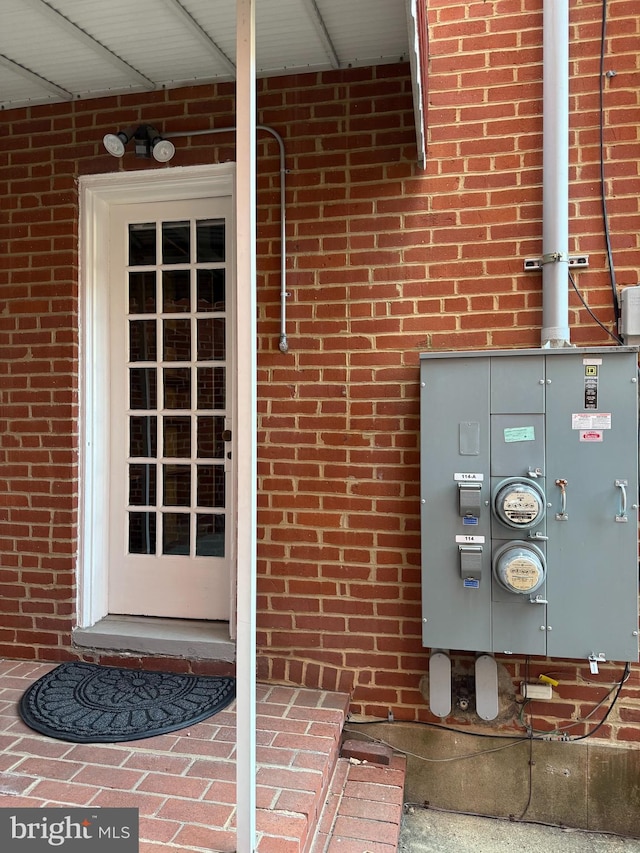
(575, 261)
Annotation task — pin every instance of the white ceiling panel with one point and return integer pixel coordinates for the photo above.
(378, 34)
(218, 19)
(26, 89)
(54, 50)
(155, 37)
(287, 23)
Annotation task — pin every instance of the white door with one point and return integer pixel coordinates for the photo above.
(171, 502)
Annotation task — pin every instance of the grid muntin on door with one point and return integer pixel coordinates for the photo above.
(177, 376)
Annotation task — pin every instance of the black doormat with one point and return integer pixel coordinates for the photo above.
(88, 703)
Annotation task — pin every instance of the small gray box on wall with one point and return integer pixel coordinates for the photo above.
(529, 501)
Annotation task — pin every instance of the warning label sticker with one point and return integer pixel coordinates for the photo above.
(591, 435)
(591, 420)
(591, 391)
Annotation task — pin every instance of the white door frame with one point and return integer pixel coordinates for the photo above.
(97, 194)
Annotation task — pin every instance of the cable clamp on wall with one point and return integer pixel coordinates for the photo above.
(579, 261)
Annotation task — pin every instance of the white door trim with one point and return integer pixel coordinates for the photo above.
(97, 194)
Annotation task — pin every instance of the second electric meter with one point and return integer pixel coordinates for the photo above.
(520, 567)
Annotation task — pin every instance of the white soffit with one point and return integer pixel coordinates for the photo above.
(55, 50)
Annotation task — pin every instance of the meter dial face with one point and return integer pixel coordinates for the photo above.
(521, 573)
(519, 505)
(519, 568)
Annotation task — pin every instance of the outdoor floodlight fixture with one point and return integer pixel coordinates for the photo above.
(162, 149)
(115, 142)
(148, 143)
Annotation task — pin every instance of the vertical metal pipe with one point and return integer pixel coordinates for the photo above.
(555, 180)
(284, 295)
(246, 424)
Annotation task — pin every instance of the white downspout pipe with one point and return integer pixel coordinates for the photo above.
(555, 175)
(246, 424)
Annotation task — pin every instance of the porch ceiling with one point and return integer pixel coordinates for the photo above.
(61, 50)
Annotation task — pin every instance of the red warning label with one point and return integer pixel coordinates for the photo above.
(591, 435)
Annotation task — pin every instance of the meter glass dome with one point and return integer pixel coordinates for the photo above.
(519, 568)
(519, 504)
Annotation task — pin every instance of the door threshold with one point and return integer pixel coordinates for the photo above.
(186, 638)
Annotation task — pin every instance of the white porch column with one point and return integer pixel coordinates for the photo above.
(246, 423)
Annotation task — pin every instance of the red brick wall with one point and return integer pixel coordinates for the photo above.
(384, 261)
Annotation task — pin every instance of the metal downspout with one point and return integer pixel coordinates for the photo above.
(555, 180)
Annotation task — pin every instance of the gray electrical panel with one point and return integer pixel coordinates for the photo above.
(529, 490)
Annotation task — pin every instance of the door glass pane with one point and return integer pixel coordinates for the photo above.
(210, 536)
(211, 338)
(210, 240)
(176, 485)
(177, 437)
(211, 485)
(176, 291)
(175, 533)
(142, 388)
(142, 292)
(176, 243)
(211, 387)
(210, 441)
(177, 387)
(177, 339)
(142, 244)
(142, 340)
(143, 436)
(211, 290)
(142, 533)
(142, 485)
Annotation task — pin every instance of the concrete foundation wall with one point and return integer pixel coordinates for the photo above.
(581, 784)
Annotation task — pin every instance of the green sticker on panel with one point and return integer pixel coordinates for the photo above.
(526, 433)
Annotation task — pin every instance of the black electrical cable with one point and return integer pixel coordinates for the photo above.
(436, 726)
(625, 676)
(590, 312)
(603, 189)
(530, 737)
(530, 821)
(530, 797)
(543, 735)
(532, 734)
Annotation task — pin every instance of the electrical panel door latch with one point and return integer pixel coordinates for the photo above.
(469, 499)
(470, 562)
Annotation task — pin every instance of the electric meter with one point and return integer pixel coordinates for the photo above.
(519, 567)
(519, 503)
